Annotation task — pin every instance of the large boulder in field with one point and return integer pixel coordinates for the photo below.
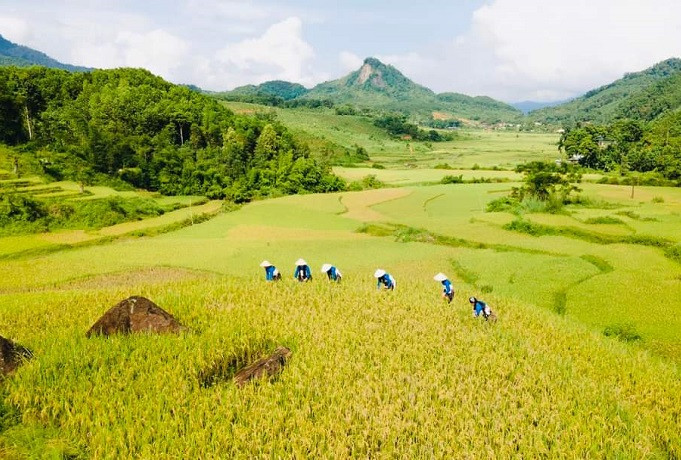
(11, 356)
(135, 314)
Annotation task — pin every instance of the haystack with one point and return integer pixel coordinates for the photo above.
(135, 314)
(11, 356)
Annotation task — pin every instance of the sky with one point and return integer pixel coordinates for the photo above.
(512, 50)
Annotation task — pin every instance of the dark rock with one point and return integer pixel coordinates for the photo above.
(11, 356)
(135, 314)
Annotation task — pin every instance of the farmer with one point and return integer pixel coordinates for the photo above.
(303, 272)
(384, 278)
(332, 272)
(480, 307)
(448, 289)
(271, 272)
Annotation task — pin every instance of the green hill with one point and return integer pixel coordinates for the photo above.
(271, 92)
(377, 85)
(12, 54)
(641, 95)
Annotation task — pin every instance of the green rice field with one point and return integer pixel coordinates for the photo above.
(583, 361)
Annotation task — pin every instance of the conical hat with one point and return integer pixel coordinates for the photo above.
(440, 277)
(378, 273)
(301, 262)
(265, 263)
(326, 268)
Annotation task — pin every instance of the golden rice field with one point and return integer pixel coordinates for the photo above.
(372, 374)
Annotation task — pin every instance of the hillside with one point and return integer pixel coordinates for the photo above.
(270, 93)
(629, 96)
(23, 56)
(377, 86)
(129, 126)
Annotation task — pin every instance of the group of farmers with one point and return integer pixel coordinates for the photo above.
(384, 279)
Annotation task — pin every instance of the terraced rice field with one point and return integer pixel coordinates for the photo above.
(373, 373)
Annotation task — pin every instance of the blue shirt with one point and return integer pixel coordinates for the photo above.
(333, 274)
(304, 270)
(447, 287)
(386, 280)
(269, 272)
(479, 306)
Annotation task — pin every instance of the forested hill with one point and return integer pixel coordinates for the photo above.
(129, 125)
(269, 93)
(378, 87)
(12, 54)
(641, 95)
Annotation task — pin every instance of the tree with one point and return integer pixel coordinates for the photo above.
(547, 181)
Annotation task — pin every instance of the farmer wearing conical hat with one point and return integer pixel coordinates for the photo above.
(332, 272)
(271, 272)
(303, 272)
(448, 289)
(481, 308)
(384, 278)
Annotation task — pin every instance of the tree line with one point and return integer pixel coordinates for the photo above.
(132, 126)
(628, 145)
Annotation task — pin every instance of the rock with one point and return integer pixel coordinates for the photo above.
(265, 367)
(135, 314)
(11, 356)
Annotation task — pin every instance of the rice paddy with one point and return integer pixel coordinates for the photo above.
(372, 373)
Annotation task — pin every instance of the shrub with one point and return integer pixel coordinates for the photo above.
(604, 220)
(625, 332)
(503, 204)
(449, 179)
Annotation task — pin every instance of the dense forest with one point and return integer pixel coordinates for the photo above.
(131, 126)
(640, 95)
(628, 145)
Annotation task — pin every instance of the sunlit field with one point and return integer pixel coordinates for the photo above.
(582, 362)
(372, 373)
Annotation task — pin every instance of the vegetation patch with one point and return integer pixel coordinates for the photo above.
(603, 265)
(626, 332)
(674, 253)
(634, 216)
(21, 214)
(451, 179)
(530, 228)
(607, 220)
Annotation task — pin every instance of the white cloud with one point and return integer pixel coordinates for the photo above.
(349, 61)
(578, 44)
(14, 29)
(279, 53)
(535, 49)
(158, 51)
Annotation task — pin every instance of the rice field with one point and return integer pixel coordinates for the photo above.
(373, 373)
(582, 363)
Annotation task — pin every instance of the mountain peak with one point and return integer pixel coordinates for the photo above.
(372, 72)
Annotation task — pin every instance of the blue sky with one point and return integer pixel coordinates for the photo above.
(509, 49)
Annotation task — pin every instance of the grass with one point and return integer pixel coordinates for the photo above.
(397, 376)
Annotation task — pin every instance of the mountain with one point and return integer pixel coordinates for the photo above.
(374, 82)
(529, 106)
(377, 85)
(23, 56)
(628, 96)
